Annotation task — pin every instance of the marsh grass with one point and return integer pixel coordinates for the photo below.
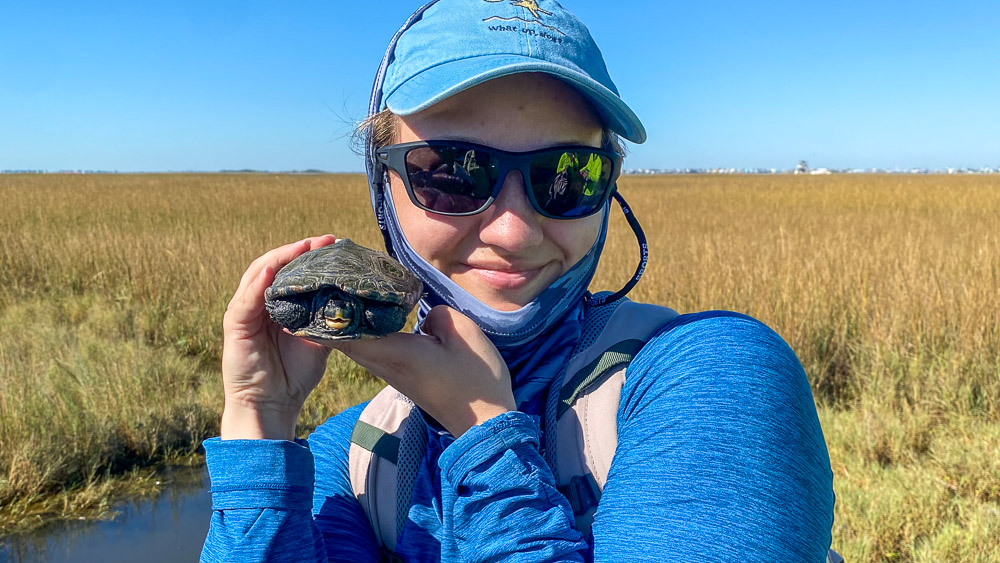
(112, 290)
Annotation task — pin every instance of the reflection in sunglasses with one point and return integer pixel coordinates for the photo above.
(460, 178)
(446, 202)
(557, 201)
(591, 173)
(477, 174)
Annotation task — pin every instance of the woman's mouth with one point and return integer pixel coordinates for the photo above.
(506, 279)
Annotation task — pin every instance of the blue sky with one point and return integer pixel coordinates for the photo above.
(184, 85)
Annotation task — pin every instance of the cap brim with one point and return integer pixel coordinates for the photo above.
(447, 79)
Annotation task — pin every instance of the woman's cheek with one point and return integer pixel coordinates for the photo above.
(435, 238)
(575, 237)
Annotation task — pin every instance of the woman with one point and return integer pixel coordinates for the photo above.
(512, 436)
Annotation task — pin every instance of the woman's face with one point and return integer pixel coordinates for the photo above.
(508, 254)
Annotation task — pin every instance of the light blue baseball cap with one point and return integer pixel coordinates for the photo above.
(457, 44)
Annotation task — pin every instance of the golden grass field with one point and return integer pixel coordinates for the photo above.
(112, 290)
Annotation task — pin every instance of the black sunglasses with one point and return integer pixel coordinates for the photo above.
(457, 178)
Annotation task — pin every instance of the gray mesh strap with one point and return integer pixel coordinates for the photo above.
(613, 358)
(386, 555)
(594, 319)
(549, 434)
(582, 492)
(411, 453)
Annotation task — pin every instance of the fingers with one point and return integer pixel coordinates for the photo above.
(439, 321)
(278, 257)
(443, 326)
(322, 240)
(252, 298)
(454, 372)
(447, 332)
(248, 302)
(391, 348)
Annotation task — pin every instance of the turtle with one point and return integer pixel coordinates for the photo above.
(342, 291)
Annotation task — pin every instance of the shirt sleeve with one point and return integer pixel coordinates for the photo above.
(263, 499)
(720, 453)
(501, 499)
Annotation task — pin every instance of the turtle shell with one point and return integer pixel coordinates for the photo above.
(352, 268)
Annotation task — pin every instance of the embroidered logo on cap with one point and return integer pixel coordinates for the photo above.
(530, 5)
(536, 12)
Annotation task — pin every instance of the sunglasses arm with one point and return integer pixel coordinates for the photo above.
(379, 183)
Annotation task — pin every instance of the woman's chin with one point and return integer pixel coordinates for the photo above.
(509, 300)
(505, 304)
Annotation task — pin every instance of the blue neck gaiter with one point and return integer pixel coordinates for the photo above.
(506, 329)
(536, 340)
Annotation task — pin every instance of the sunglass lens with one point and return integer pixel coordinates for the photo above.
(570, 183)
(451, 179)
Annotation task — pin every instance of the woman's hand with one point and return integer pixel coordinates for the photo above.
(266, 372)
(454, 373)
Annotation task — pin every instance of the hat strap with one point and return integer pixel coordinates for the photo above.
(376, 172)
(643, 255)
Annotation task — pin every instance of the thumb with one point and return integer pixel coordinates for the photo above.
(459, 333)
(445, 323)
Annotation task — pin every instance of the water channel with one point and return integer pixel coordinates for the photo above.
(169, 528)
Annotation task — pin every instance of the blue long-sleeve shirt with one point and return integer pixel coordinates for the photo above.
(720, 457)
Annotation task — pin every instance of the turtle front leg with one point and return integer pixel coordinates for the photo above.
(288, 312)
(385, 319)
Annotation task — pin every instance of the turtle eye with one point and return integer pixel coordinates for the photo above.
(339, 314)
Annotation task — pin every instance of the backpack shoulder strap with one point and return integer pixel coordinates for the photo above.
(387, 446)
(587, 410)
(612, 336)
(584, 412)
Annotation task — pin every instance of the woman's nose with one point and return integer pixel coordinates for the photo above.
(511, 222)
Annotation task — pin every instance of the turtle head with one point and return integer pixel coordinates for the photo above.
(340, 316)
